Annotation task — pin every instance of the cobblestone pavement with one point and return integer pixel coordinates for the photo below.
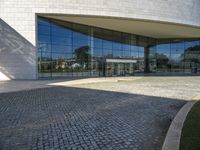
(73, 118)
(170, 87)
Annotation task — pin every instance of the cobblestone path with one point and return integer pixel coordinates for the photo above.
(74, 118)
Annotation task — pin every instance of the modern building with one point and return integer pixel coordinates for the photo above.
(83, 38)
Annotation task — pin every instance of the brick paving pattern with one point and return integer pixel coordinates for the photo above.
(75, 119)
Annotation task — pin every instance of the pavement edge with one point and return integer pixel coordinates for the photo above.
(173, 137)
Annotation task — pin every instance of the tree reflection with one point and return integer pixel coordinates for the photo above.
(162, 59)
(83, 56)
(192, 54)
(192, 57)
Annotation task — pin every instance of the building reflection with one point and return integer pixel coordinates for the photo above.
(67, 49)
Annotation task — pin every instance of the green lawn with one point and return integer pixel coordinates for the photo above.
(190, 139)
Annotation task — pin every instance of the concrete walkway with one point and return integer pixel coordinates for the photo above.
(184, 88)
(20, 85)
(12, 86)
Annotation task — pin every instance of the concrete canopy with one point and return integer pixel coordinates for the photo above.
(140, 27)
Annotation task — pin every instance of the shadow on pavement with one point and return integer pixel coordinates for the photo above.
(75, 118)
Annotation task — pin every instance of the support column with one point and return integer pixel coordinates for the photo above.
(146, 59)
(92, 51)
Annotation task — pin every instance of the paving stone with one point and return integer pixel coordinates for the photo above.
(75, 118)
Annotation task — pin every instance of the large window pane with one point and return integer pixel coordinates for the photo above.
(60, 31)
(44, 47)
(44, 39)
(192, 56)
(61, 40)
(107, 44)
(163, 57)
(44, 30)
(177, 57)
(61, 64)
(61, 49)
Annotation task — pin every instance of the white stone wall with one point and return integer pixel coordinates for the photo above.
(20, 14)
(17, 54)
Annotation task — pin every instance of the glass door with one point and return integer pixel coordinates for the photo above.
(109, 69)
(122, 69)
(115, 69)
(119, 69)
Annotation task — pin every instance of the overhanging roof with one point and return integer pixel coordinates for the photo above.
(140, 27)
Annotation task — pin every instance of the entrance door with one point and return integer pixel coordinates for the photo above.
(119, 69)
(129, 69)
(115, 69)
(122, 69)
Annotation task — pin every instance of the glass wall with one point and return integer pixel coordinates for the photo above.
(67, 49)
(191, 56)
(178, 56)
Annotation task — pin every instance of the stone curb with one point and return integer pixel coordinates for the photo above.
(172, 139)
(94, 80)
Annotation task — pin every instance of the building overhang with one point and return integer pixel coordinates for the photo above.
(140, 27)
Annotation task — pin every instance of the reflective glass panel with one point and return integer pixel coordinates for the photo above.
(67, 49)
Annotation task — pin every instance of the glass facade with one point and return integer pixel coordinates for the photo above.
(68, 49)
(178, 56)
